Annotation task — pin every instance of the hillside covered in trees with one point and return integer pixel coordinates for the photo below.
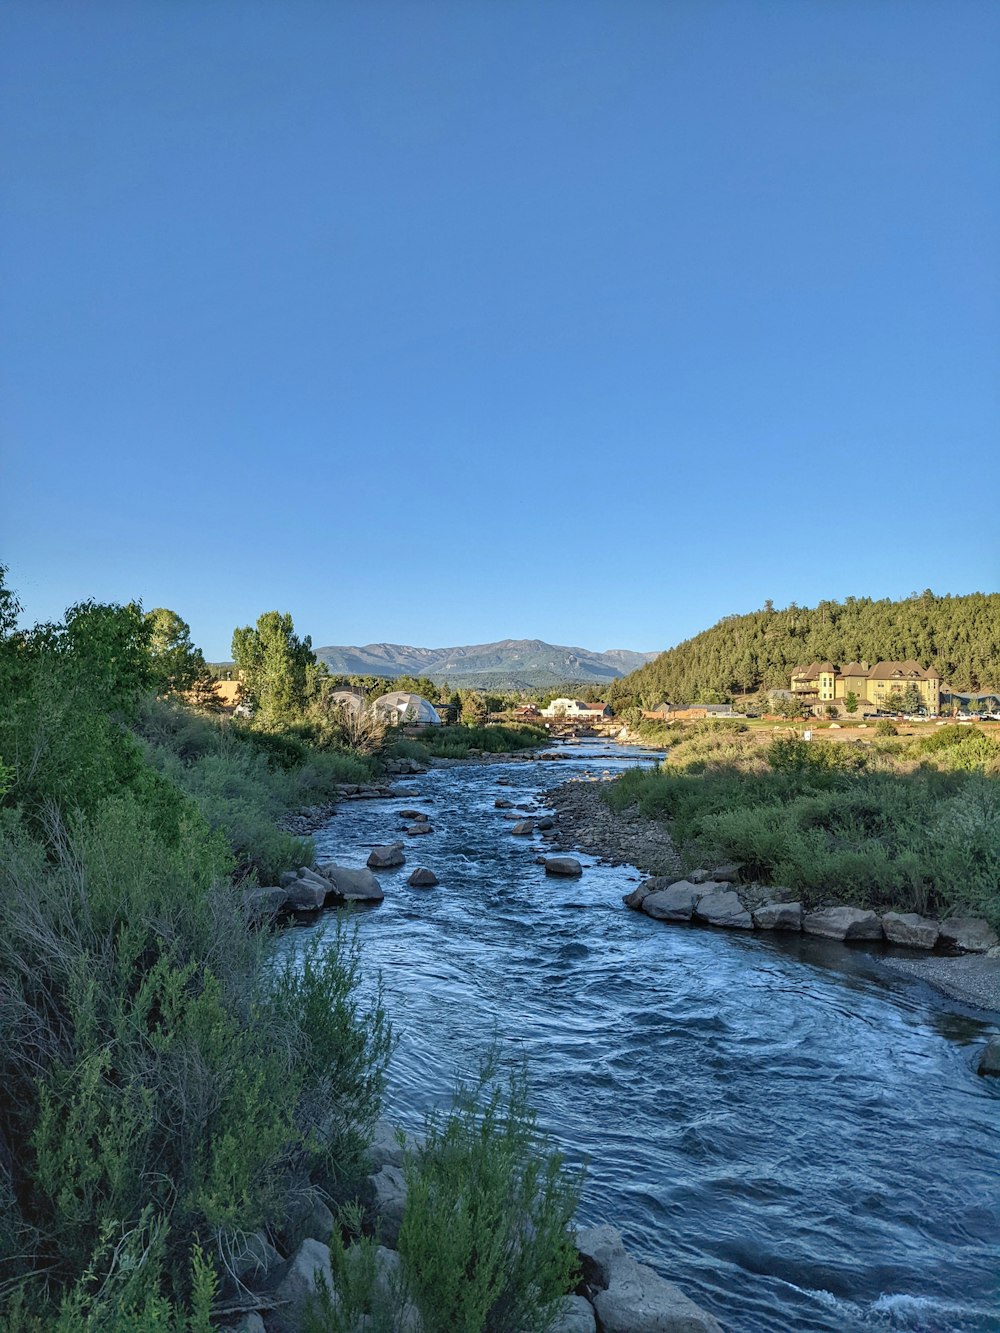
(960, 636)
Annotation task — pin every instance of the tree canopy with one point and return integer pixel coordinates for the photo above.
(274, 665)
(959, 636)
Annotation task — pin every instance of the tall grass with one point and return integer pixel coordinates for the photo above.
(913, 826)
(456, 742)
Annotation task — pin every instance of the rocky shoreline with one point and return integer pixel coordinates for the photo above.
(587, 823)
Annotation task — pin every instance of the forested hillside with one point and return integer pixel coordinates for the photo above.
(958, 635)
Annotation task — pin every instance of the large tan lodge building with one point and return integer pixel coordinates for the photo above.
(822, 683)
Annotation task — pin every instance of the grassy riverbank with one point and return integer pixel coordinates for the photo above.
(166, 1091)
(911, 824)
(462, 742)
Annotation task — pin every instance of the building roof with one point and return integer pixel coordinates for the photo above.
(908, 670)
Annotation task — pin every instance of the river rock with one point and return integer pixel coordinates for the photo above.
(843, 923)
(545, 823)
(501, 804)
(389, 1194)
(640, 1301)
(673, 904)
(308, 1271)
(305, 895)
(917, 932)
(723, 908)
(263, 904)
(629, 1296)
(352, 886)
(310, 1217)
(989, 1061)
(778, 916)
(251, 1258)
(969, 933)
(423, 878)
(384, 858)
(699, 876)
(390, 1284)
(523, 827)
(414, 816)
(728, 874)
(567, 866)
(575, 1315)
(415, 830)
(385, 1148)
(654, 884)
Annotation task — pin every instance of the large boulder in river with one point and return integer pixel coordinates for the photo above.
(630, 1297)
(969, 933)
(384, 858)
(422, 878)
(916, 932)
(673, 904)
(352, 886)
(416, 830)
(501, 804)
(778, 916)
(723, 908)
(567, 866)
(843, 923)
(523, 827)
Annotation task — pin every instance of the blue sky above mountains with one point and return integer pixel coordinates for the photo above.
(447, 322)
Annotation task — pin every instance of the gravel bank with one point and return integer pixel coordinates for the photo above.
(970, 978)
(588, 825)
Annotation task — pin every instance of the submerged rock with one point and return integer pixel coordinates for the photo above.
(422, 878)
(415, 830)
(989, 1061)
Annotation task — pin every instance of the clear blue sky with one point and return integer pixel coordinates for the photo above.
(445, 322)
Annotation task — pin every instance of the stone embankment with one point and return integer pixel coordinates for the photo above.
(278, 1274)
(964, 964)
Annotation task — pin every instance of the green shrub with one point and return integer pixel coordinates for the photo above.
(484, 1237)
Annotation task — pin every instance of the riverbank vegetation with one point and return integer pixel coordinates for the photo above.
(460, 741)
(754, 653)
(166, 1090)
(911, 824)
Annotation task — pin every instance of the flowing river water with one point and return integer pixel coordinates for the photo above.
(792, 1133)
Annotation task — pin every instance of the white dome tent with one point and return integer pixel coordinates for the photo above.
(404, 709)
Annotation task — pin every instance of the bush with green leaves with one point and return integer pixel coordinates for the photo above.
(906, 825)
(484, 1240)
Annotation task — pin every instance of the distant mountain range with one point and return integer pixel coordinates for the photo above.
(527, 663)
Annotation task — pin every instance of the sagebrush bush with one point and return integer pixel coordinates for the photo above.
(484, 1239)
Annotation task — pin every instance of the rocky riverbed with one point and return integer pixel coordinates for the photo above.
(587, 824)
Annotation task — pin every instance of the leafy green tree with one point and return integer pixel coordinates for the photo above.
(851, 702)
(473, 708)
(273, 663)
(912, 701)
(175, 663)
(895, 703)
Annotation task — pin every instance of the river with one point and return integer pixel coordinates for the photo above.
(791, 1132)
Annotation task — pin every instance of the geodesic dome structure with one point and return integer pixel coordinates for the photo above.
(400, 707)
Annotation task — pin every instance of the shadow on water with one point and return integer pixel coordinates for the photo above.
(779, 1124)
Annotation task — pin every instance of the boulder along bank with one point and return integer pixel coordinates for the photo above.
(586, 823)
